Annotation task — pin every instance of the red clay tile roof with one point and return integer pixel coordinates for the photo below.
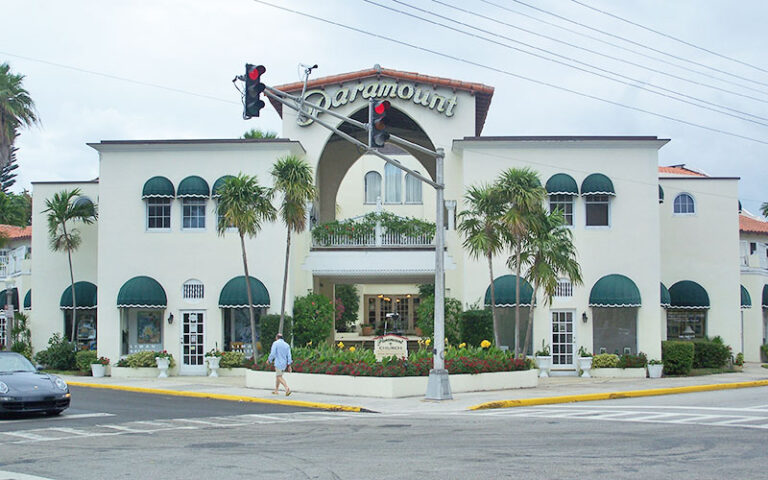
(482, 92)
(752, 225)
(680, 170)
(11, 231)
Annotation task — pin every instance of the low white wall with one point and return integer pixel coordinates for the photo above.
(391, 387)
(617, 372)
(230, 372)
(144, 372)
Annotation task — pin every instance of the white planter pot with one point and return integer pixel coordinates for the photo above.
(213, 365)
(654, 371)
(98, 370)
(544, 364)
(585, 364)
(162, 365)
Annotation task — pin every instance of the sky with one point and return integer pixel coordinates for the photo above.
(163, 69)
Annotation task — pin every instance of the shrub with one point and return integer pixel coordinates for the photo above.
(232, 360)
(633, 361)
(268, 325)
(605, 360)
(739, 361)
(710, 354)
(475, 326)
(425, 313)
(143, 360)
(346, 313)
(21, 335)
(60, 354)
(312, 319)
(764, 352)
(84, 359)
(677, 357)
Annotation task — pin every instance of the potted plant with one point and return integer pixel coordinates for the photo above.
(213, 357)
(585, 362)
(99, 367)
(655, 367)
(366, 330)
(543, 360)
(164, 362)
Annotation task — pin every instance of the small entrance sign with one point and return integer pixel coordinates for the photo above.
(390, 346)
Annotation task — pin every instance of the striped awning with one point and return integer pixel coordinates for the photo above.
(687, 294)
(85, 296)
(746, 300)
(142, 292)
(235, 294)
(597, 184)
(615, 291)
(504, 290)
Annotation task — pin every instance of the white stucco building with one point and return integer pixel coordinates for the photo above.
(166, 280)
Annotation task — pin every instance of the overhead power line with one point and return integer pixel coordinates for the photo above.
(666, 35)
(508, 73)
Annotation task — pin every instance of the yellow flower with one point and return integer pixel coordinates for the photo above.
(462, 345)
(427, 342)
(485, 344)
(309, 344)
(340, 344)
(351, 349)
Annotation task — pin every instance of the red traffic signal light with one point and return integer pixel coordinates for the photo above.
(253, 89)
(378, 122)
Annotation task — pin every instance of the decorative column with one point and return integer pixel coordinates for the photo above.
(450, 205)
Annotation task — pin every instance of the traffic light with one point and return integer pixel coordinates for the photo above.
(378, 134)
(253, 89)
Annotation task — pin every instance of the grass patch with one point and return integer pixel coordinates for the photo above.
(697, 372)
(74, 373)
(764, 365)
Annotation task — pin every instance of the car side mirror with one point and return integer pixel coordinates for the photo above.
(39, 368)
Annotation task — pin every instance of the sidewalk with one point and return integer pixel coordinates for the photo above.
(578, 389)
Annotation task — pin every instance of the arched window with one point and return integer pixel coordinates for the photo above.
(393, 184)
(684, 204)
(372, 187)
(412, 189)
(193, 290)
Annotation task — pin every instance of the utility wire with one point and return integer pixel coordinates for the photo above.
(621, 47)
(595, 52)
(632, 82)
(666, 35)
(637, 43)
(508, 73)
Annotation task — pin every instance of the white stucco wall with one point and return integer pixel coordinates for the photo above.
(754, 278)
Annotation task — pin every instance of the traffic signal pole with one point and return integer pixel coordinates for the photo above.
(438, 384)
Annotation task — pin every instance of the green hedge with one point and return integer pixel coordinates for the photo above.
(84, 359)
(60, 354)
(269, 325)
(476, 326)
(232, 359)
(633, 361)
(312, 320)
(605, 360)
(677, 357)
(425, 314)
(710, 354)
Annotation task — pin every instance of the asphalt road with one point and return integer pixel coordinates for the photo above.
(712, 435)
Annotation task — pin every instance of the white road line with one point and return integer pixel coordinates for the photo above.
(71, 431)
(655, 407)
(738, 420)
(4, 475)
(26, 435)
(125, 429)
(693, 419)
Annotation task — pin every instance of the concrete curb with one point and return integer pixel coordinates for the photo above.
(217, 396)
(590, 397)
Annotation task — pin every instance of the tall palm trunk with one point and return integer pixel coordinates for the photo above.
(496, 326)
(530, 319)
(250, 296)
(285, 281)
(72, 284)
(517, 300)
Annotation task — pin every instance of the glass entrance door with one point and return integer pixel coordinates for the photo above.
(562, 340)
(192, 344)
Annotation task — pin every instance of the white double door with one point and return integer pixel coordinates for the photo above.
(563, 341)
(192, 343)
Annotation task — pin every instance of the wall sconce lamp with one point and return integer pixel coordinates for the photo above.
(170, 319)
(584, 317)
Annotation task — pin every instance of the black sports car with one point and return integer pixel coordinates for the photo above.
(24, 389)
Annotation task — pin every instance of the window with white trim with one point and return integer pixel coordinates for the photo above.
(412, 189)
(193, 213)
(564, 288)
(564, 203)
(598, 211)
(684, 205)
(158, 213)
(393, 184)
(193, 290)
(372, 187)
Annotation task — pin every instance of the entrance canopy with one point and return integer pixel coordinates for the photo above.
(85, 296)
(235, 294)
(615, 291)
(505, 288)
(142, 292)
(688, 294)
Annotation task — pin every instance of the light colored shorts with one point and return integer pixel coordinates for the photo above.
(278, 372)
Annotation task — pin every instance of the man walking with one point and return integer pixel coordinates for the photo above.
(280, 356)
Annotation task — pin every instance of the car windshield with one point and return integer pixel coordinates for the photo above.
(13, 362)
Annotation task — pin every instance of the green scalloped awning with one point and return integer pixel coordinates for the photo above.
(14, 298)
(28, 300)
(141, 292)
(597, 184)
(665, 299)
(688, 294)
(615, 291)
(765, 296)
(193, 186)
(218, 184)
(505, 289)
(746, 300)
(562, 184)
(235, 295)
(661, 194)
(158, 187)
(85, 296)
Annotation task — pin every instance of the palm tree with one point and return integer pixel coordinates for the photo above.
(764, 209)
(245, 205)
(64, 209)
(522, 194)
(295, 180)
(16, 110)
(484, 233)
(256, 133)
(550, 254)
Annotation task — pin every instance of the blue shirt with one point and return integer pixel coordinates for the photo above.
(280, 354)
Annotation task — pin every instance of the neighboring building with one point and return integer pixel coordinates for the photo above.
(754, 285)
(14, 271)
(166, 280)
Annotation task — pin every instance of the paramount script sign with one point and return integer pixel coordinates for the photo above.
(422, 96)
(390, 346)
